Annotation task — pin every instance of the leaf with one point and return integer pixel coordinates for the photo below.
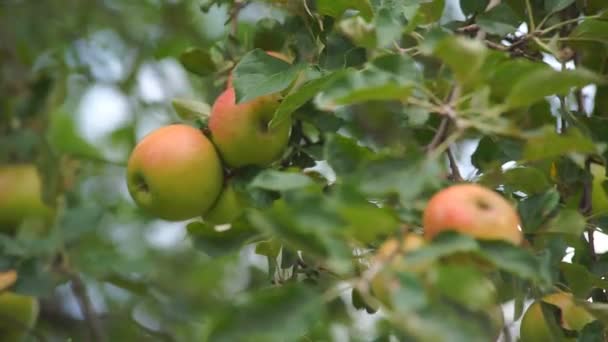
(515, 260)
(568, 221)
(271, 314)
(259, 74)
(591, 30)
(579, 279)
(535, 209)
(344, 155)
(197, 61)
(280, 181)
(548, 144)
(466, 285)
(545, 81)
(500, 20)
(473, 6)
(295, 100)
(557, 5)
(217, 243)
(389, 77)
(388, 26)
(335, 8)
(191, 109)
(464, 56)
(444, 244)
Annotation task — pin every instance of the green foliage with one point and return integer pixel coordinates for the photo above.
(391, 101)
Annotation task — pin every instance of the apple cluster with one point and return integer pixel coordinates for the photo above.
(177, 172)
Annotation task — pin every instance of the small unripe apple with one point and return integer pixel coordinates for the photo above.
(18, 315)
(241, 132)
(228, 207)
(473, 210)
(20, 195)
(175, 173)
(572, 317)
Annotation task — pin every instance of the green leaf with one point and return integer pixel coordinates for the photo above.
(500, 20)
(464, 56)
(388, 26)
(473, 6)
(335, 8)
(344, 155)
(515, 260)
(548, 144)
(557, 5)
(219, 242)
(280, 181)
(271, 314)
(568, 221)
(580, 280)
(259, 74)
(191, 109)
(445, 244)
(389, 77)
(545, 81)
(591, 30)
(295, 100)
(526, 179)
(198, 61)
(466, 285)
(535, 209)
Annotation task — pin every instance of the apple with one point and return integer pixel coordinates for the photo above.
(175, 173)
(241, 132)
(228, 207)
(572, 317)
(18, 315)
(474, 210)
(20, 195)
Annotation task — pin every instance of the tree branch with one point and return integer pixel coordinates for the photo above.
(80, 292)
(455, 172)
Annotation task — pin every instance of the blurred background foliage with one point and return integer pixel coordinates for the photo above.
(83, 81)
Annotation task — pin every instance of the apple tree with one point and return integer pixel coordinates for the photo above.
(304, 170)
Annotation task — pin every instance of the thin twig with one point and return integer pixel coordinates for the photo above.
(80, 292)
(455, 172)
(531, 27)
(440, 135)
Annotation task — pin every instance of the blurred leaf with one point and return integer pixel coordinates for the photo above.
(344, 155)
(593, 30)
(593, 331)
(464, 56)
(216, 242)
(548, 144)
(545, 81)
(272, 314)
(295, 100)
(535, 209)
(557, 5)
(493, 152)
(579, 279)
(515, 260)
(466, 285)
(389, 77)
(473, 6)
(259, 74)
(191, 109)
(280, 181)
(335, 8)
(568, 221)
(197, 61)
(500, 20)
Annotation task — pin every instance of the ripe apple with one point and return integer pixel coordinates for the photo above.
(474, 210)
(20, 195)
(228, 207)
(241, 132)
(18, 315)
(175, 173)
(572, 317)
